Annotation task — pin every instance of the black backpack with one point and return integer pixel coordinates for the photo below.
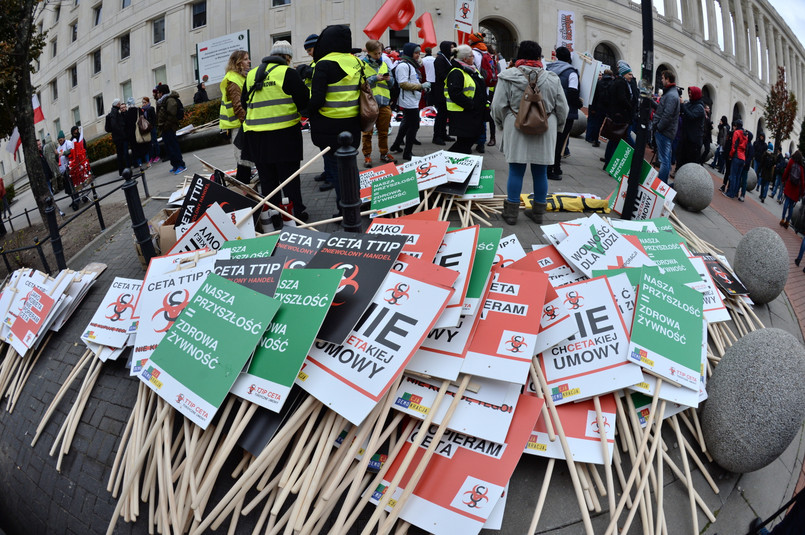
(394, 89)
(179, 109)
(795, 176)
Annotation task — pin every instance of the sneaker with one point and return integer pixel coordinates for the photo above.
(155, 160)
(438, 141)
(367, 162)
(180, 169)
(173, 171)
(741, 199)
(388, 158)
(395, 149)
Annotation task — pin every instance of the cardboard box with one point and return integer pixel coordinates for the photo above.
(160, 228)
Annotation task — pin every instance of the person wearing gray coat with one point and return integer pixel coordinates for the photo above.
(666, 122)
(521, 149)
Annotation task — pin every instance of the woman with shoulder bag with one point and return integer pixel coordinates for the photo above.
(793, 186)
(520, 148)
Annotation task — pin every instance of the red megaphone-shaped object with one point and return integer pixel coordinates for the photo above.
(394, 14)
(426, 31)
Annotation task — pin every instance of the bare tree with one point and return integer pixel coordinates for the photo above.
(781, 109)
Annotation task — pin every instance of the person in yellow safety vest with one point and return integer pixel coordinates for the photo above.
(334, 98)
(232, 113)
(465, 92)
(380, 80)
(272, 96)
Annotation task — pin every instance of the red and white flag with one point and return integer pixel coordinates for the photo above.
(14, 143)
(38, 115)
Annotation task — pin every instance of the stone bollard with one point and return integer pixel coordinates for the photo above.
(761, 262)
(694, 187)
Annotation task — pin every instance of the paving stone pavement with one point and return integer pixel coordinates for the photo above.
(36, 499)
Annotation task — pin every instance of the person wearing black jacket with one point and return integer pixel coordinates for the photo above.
(569, 77)
(721, 140)
(598, 107)
(620, 109)
(116, 125)
(690, 142)
(466, 107)
(442, 65)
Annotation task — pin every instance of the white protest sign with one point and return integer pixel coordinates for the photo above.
(509, 251)
(211, 231)
(458, 253)
(460, 166)
(430, 170)
(442, 353)
(110, 325)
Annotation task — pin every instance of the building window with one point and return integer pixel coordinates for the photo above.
(54, 90)
(76, 116)
(73, 76)
(96, 14)
(2, 168)
(125, 89)
(159, 30)
(125, 4)
(99, 111)
(160, 76)
(57, 12)
(41, 28)
(125, 46)
(194, 59)
(199, 14)
(277, 3)
(74, 31)
(281, 37)
(53, 48)
(57, 127)
(96, 61)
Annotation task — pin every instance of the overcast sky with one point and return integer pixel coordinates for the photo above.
(793, 14)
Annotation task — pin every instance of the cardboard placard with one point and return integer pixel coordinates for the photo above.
(422, 238)
(29, 323)
(664, 249)
(723, 276)
(457, 252)
(429, 170)
(459, 166)
(202, 354)
(393, 193)
(509, 251)
(210, 231)
(298, 245)
(111, 324)
(202, 193)
(350, 378)
(442, 353)
(259, 247)
(485, 254)
(258, 274)
(714, 308)
(369, 175)
(484, 187)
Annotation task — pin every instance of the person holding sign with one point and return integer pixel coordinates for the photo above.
(272, 95)
(521, 149)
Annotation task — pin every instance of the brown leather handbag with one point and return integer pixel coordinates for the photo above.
(368, 104)
(612, 130)
(531, 118)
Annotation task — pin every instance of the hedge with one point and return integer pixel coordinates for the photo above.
(102, 146)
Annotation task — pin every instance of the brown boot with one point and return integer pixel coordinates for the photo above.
(536, 212)
(510, 211)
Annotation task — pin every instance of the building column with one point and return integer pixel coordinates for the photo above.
(750, 23)
(740, 34)
(778, 45)
(670, 10)
(764, 63)
(727, 27)
(712, 28)
(692, 17)
(768, 34)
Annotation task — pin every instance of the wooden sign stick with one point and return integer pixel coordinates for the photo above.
(319, 527)
(269, 492)
(686, 466)
(639, 432)
(27, 372)
(123, 440)
(574, 477)
(543, 492)
(78, 410)
(678, 473)
(589, 492)
(210, 436)
(660, 496)
(545, 416)
(619, 471)
(282, 185)
(602, 433)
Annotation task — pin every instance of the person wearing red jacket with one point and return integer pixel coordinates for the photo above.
(738, 155)
(793, 188)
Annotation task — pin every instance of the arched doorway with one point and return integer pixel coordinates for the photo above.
(761, 126)
(607, 55)
(658, 76)
(502, 35)
(708, 96)
(737, 111)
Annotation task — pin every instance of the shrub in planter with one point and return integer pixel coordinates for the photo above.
(100, 148)
(199, 114)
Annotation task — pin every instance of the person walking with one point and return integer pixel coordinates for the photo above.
(334, 98)
(749, 156)
(465, 94)
(536, 151)
(766, 175)
(138, 149)
(779, 166)
(665, 123)
(407, 74)
(272, 96)
(380, 80)
(150, 114)
(737, 157)
(441, 65)
(168, 121)
(115, 124)
(793, 187)
(598, 107)
(569, 76)
(721, 139)
(231, 114)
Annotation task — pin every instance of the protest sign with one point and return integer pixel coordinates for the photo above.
(203, 352)
(17, 293)
(422, 238)
(110, 325)
(429, 170)
(667, 329)
(653, 199)
(596, 245)
(580, 425)
(663, 248)
(485, 414)
(503, 344)
(442, 353)
(202, 193)
(723, 276)
(251, 247)
(714, 308)
(258, 274)
(165, 291)
(298, 245)
(592, 362)
(457, 252)
(557, 232)
(485, 251)
(306, 295)
(624, 225)
(456, 189)
(393, 193)
(642, 404)
(81, 283)
(365, 260)
(350, 378)
(620, 165)
(210, 231)
(484, 187)
(30, 322)
(465, 477)
(509, 251)
(365, 178)
(459, 166)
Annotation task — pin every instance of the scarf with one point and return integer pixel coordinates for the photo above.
(468, 66)
(528, 63)
(480, 46)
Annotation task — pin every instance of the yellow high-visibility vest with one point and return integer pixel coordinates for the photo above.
(381, 88)
(228, 119)
(469, 90)
(342, 99)
(269, 108)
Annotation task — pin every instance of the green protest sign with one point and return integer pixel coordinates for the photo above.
(664, 249)
(621, 162)
(485, 251)
(259, 247)
(667, 329)
(306, 295)
(485, 188)
(394, 192)
(202, 354)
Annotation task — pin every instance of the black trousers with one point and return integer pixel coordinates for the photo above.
(408, 129)
(560, 146)
(272, 175)
(463, 145)
(440, 124)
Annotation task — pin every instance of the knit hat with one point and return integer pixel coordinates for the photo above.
(770, 146)
(61, 135)
(563, 54)
(475, 38)
(311, 40)
(694, 92)
(116, 103)
(130, 101)
(409, 49)
(623, 68)
(282, 47)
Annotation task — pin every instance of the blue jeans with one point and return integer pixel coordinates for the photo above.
(154, 152)
(744, 176)
(778, 184)
(801, 249)
(172, 148)
(788, 208)
(736, 169)
(539, 175)
(664, 154)
(764, 188)
(331, 175)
